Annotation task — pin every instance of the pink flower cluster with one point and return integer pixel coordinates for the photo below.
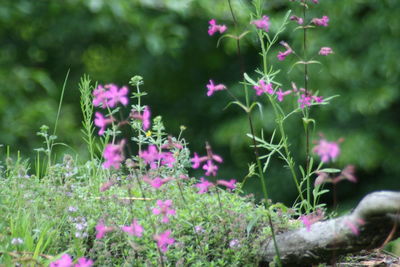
(321, 21)
(327, 150)
(214, 27)
(312, 218)
(209, 166)
(262, 88)
(262, 23)
(297, 19)
(113, 154)
(324, 51)
(346, 174)
(210, 169)
(164, 240)
(135, 229)
(157, 182)
(109, 95)
(165, 209)
(305, 97)
(153, 157)
(144, 117)
(66, 261)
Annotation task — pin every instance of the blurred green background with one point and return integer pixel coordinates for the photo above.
(166, 42)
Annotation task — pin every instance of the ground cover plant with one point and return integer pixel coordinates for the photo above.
(134, 201)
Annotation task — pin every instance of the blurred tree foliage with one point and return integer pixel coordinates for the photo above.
(166, 42)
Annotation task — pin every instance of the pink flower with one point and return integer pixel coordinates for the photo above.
(348, 173)
(99, 97)
(171, 143)
(167, 158)
(210, 168)
(134, 229)
(107, 185)
(157, 182)
(321, 22)
(305, 100)
(64, 261)
(115, 96)
(262, 23)
(199, 229)
(315, 1)
(327, 150)
(196, 160)
(101, 121)
(113, 155)
(212, 88)
(263, 88)
(146, 118)
(324, 51)
(101, 230)
(281, 94)
(322, 178)
(83, 262)
(203, 186)
(164, 240)
(297, 19)
(231, 184)
(354, 226)
(318, 99)
(110, 96)
(151, 156)
(164, 208)
(214, 27)
(310, 219)
(282, 55)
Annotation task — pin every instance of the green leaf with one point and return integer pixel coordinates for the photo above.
(330, 170)
(247, 78)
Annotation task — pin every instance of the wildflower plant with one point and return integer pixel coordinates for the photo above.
(134, 203)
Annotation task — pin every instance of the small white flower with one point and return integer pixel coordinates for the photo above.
(17, 241)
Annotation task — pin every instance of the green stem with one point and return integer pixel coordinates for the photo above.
(306, 125)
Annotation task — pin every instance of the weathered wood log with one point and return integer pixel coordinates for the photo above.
(375, 221)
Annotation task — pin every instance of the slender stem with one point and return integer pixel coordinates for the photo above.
(149, 214)
(307, 129)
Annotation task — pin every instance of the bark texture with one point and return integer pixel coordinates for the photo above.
(376, 218)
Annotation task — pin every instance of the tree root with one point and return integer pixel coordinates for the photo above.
(371, 225)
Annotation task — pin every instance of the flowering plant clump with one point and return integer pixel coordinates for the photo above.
(135, 202)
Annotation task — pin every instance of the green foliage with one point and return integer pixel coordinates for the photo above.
(45, 214)
(166, 42)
